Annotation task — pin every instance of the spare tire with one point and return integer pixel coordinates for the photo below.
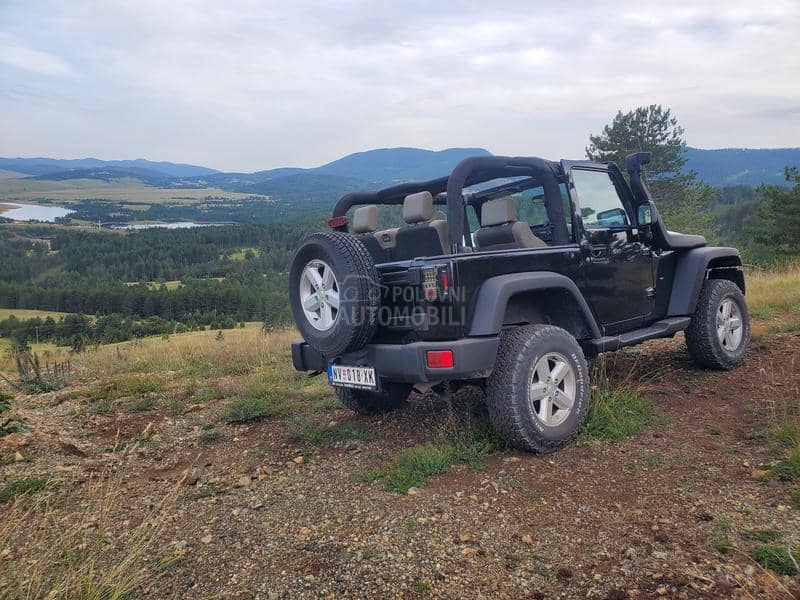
(334, 292)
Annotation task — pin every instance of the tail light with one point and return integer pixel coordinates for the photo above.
(436, 283)
(439, 359)
(337, 222)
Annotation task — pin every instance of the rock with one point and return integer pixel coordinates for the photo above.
(15, 441)
(206, 539)
(18, 457)
(147, 433)
(189, 477)
(527, 539)
(759, 474)
(661, 591)
(412, 491)
(469, 552)
(304, 532)
(72, 449)
(464, 537)
(298, 460)
(243, 481)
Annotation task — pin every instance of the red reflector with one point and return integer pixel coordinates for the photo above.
(335, 222)
(440, 359)
(445, 282)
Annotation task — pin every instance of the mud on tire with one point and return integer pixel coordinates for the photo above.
(526, 359)
(334, 292)
(718, 336)
(364, 402)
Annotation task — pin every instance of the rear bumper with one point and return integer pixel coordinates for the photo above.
(473, 359)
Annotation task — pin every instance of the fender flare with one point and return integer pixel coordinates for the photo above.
(690, 273)
(493, 296)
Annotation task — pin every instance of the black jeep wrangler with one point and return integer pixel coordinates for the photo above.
(507, 273)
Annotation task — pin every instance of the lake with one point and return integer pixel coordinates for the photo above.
(33, 212)
(175, 225)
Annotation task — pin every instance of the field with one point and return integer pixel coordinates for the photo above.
(119, 190)
(202, 465)
(25, 313)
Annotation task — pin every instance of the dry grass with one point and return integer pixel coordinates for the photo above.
(117, 190)
(773, 291)
(27, 313)
(66, 545)
(246, 360)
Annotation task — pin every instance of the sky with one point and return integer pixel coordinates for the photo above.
(245, 85)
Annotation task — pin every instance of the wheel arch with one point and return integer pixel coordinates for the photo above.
(693, 268)
(540, 297)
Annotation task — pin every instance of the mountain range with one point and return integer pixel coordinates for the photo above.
(369, 170)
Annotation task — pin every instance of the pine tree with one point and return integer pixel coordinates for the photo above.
(647, 129)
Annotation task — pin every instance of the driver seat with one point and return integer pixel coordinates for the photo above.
(500, 229)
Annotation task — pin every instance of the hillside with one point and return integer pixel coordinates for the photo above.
(45, 166)
(741, 166)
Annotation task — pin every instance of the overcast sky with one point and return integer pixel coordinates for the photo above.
(248, 85)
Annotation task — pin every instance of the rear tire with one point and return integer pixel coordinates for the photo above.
(364, 402)
(334, 293)
(538, 393)
(718, 336)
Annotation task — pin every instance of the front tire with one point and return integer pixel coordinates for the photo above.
(364, 402)
(538, 393)
(718, 336)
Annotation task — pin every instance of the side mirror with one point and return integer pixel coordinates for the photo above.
(645, 214)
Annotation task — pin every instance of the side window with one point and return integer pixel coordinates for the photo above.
(598, 199)
(531, 208)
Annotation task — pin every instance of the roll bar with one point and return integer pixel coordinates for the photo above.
(483, 168)
(469, 172)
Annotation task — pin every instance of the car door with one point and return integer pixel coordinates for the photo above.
(617, 268)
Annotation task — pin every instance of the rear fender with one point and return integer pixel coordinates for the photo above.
(693, 268)
(538, 297)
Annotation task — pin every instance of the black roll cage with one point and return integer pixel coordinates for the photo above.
(470, 171)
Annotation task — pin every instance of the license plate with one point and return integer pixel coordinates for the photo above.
(355, 377)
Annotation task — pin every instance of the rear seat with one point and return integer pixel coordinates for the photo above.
(423, 236)
(365, 222)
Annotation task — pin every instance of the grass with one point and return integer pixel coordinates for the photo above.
(772, 291)
(22, 487)
(777, 558)
(723, 545)
(615, 414)
(469, 445)
(303, 430)
(127, 385)
(142, 404)
(27, 313)
(252, 407)
(209, 437)
(765, 536)
(617, 409)
(116, 190)
(55, 545)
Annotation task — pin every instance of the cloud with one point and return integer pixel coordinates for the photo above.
(16, 55)
(250, 85)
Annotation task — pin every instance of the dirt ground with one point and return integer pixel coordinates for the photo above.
(262, 516)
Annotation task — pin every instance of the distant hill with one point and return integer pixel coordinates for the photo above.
(369, 170)
(741, 166)
(44, 166)
(372, 168)
(107, 174)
